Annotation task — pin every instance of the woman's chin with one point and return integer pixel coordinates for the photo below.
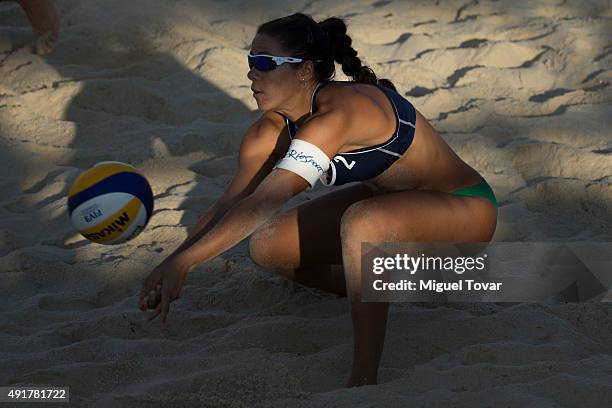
(262, 103)
(263, 107)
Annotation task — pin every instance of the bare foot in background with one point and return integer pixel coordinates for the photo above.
(45, 23)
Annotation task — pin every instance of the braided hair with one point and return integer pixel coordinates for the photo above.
(323, 43)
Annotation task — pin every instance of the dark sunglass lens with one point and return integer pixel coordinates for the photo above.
(262, 63)
(267, 64)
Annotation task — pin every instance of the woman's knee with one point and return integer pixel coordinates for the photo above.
(266, 250)
(359, 222)
(259, 251)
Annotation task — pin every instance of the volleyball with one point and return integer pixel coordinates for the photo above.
(110, 203)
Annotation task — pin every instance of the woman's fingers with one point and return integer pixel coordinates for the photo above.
(155, 313)
(158, 293)
(158, 296)
(143, 302)
(151, 282)
(152, 299)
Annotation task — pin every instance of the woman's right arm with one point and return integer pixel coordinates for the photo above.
(260, 149)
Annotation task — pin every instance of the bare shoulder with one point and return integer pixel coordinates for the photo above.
(360, 101)
(368, 114)
(330, 126)
(269, 125)
(337, 95)
(264, 135)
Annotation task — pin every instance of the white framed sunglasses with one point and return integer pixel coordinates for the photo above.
(265, 62)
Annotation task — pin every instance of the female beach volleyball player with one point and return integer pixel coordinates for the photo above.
(409, 185)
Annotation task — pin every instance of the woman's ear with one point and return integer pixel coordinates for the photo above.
(307, 71)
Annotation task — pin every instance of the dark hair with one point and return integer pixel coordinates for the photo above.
(323, 43)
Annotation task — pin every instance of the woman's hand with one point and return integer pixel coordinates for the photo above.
(162, 286)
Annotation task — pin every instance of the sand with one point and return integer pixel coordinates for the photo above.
(521, 91)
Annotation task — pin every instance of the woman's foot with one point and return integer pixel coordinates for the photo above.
(359, 382)
(44, 19)
(359, 379)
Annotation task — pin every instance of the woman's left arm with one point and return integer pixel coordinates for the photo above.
(164, 283)
(324, 131)
(245, 216)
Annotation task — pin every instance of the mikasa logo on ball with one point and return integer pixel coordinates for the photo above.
(116, 226)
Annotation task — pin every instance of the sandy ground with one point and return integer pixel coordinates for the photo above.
(521, 90)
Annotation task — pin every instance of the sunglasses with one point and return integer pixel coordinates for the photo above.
(265, 62)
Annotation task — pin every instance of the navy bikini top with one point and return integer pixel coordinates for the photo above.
(368, 162)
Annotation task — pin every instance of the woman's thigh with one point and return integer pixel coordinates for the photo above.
(308, 234)
(412, 216)
(420, 216)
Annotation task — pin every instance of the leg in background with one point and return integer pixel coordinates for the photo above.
(45, 22)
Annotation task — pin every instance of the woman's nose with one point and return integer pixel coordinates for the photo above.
(251, 74)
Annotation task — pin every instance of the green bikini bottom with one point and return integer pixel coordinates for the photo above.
(482, 189)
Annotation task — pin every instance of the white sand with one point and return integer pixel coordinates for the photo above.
(521, 90)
